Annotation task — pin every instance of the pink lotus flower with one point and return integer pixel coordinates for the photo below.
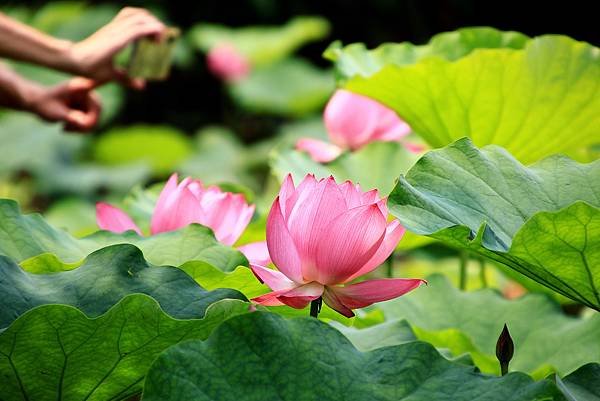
(352, 121)
(322, 235)
(179, 205)
(227, 63)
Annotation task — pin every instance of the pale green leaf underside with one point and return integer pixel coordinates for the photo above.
(543, 220)
(371, 166)
(101, 281)
(544, 337)
(26, 236)
(304, 359)
(55, 352)
(536, 101)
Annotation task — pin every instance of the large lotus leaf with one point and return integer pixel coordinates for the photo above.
(241, 279)
(392, 332)
(291, 87)
(355, 59)
(26, 236)
(544, 337)
(261, 356)
(543, 221)
(534, 101)
(55, 352)
(101, 281)
(162, 147)
(261, 44)
(583, 384)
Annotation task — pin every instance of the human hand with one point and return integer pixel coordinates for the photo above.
(93, 57)
(73, 102)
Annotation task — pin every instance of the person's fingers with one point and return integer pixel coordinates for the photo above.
(77, 120)
(134, 83)
(81, 84)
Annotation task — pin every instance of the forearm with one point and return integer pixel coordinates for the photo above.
(16, 92)
(21, 42)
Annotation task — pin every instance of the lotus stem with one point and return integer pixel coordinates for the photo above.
(482, 276)
(464, 258)
(389, 262)
(315, 307)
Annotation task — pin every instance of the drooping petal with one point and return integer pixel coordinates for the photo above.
(349, 242)
(269, 299)
(276, 281)
(301, 296)
(180, 209)
(282, 249)
(111, 218)
(350, 119)
(256, 252)
(298, 297)
(369, 292)
(319, 151)
(308, 221)
(331, 299)
(393, 235)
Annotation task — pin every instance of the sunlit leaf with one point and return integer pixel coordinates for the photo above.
(543, 221)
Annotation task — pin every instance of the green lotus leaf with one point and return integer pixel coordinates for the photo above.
(534, 97)
(261, 356)
(105, 277)
(291, 87)
(545, 338)
(542, 221)
(356, 60)
(56, 352)
(583, 384)
(161, 147)
(26, 236)
(261, 44)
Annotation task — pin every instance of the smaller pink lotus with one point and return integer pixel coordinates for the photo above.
(353, 121)
(227, 63)
(321, 236)
(179, 205)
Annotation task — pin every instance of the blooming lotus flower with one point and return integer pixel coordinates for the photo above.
(352, 121)
(321, 236)
(227, 63)
(179, 205)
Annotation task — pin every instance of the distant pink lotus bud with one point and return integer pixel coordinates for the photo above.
(321, 235)
(227, 63)
(179, 205)
(352, 121)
